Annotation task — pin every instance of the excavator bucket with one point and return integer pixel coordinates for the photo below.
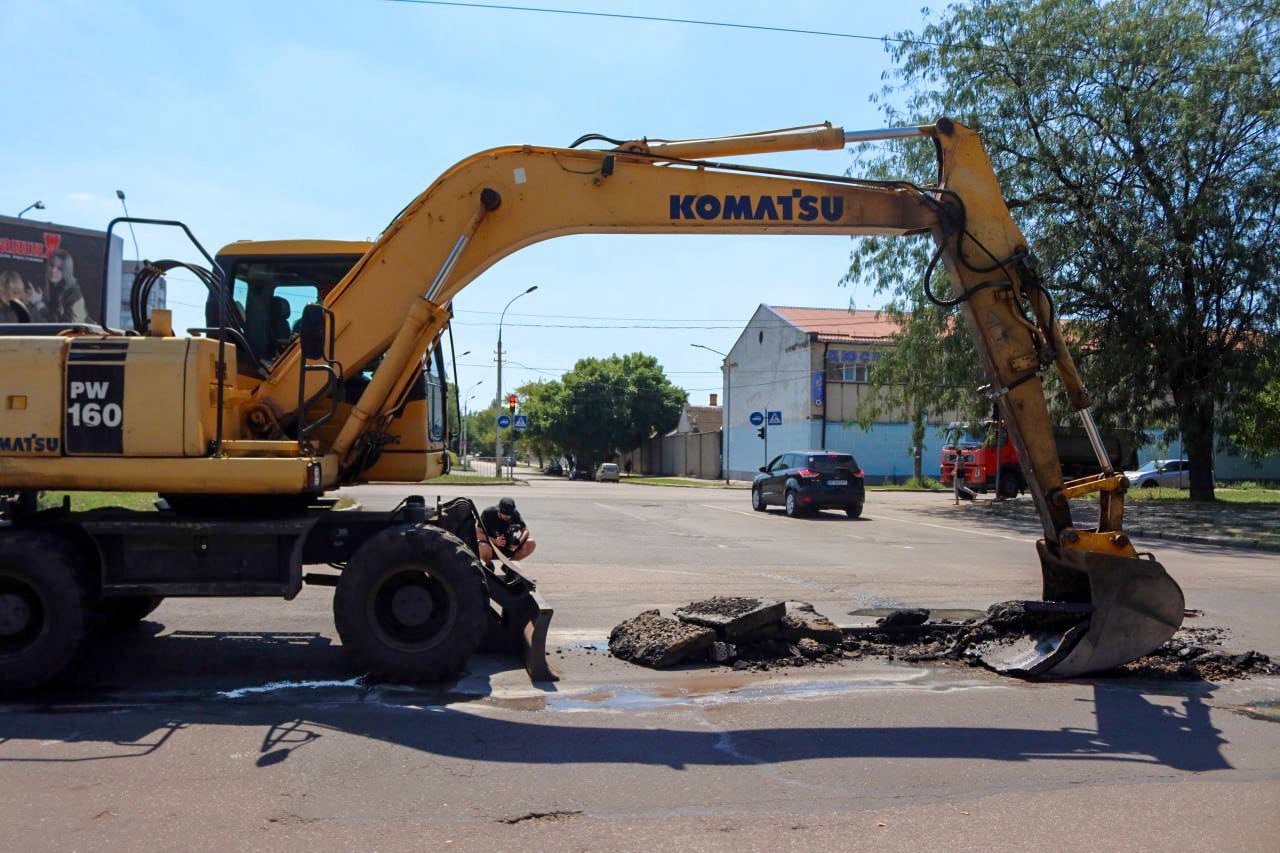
(1133, 608)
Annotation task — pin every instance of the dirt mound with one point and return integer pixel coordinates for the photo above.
(749, 633)
(1198, 654)
(745, 633)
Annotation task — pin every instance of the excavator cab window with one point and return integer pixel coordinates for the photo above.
(437, 384)
(272, 291)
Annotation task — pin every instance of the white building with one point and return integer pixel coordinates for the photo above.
(800, 373)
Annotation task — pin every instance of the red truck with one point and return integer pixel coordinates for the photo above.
(989, 461)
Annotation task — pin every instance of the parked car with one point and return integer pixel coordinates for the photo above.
(553, 469)
(581, 472)
(607, 473)
(1170, 473)
(805, 481)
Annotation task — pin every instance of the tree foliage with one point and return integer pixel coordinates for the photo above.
(604, 406)
(1136, 141)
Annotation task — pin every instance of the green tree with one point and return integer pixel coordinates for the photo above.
(1255, 414)
(604, 406)
(1136, 143)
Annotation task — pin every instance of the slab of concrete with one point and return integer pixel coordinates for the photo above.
(732, 618)
(802, 621)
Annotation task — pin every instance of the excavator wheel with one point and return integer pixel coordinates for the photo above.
(411, 605)
(43, 614)
(1010, 483)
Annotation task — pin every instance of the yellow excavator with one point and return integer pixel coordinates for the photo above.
(319, 367)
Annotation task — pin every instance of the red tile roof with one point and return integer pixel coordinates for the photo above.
(840, 324)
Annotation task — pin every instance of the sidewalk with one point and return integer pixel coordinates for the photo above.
(1230, 525)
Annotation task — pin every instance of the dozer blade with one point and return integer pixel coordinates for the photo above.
(521, 620)
(1134, 608)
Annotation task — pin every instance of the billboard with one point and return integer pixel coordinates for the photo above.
(55, 273)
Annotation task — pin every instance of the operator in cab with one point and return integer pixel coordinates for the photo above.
(501, 527)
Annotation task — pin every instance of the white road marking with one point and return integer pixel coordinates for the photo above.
(751, 514)
(624, 512)
(878, 516)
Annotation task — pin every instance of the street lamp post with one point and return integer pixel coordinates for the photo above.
(466, 409)
(38, 205)
(497, 456)
(728, 389)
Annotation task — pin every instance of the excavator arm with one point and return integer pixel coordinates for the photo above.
(491, 204)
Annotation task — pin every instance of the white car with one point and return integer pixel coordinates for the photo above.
(1169, 473)
(607, 473)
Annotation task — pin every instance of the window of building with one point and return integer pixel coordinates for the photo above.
(850, 365)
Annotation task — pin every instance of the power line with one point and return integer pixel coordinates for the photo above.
(883, 39)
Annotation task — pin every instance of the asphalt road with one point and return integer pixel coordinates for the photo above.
(179, 735)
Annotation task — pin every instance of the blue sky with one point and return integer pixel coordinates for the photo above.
(322, 119)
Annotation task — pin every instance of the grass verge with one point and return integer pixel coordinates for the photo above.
(1224, 494)
(465, 480)
(674, 481)
(81, 501)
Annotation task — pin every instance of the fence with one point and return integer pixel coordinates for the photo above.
(687, 454)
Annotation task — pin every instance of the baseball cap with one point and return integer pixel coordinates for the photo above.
(506, 506)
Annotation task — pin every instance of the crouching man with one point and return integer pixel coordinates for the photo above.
(501, 528)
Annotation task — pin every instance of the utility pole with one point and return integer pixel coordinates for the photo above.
(728, 390)
(497, 455)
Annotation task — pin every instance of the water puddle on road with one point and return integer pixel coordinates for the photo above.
(1266, 711)
(708, 691)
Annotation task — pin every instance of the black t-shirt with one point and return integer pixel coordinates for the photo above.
(494, 526)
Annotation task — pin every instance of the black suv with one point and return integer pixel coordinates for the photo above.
(804, 481)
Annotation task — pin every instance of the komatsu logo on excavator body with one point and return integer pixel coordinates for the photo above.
(793, 207)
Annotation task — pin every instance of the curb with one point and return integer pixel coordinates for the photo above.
(1217, 541)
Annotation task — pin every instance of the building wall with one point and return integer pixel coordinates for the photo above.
(769, 371)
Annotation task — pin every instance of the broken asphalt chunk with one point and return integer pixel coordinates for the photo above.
(732, 618)
(654, 641)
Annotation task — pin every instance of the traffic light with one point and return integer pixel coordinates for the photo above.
(761, 432)
(511, 403)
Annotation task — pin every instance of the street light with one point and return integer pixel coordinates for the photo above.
(466, 408)
(497, 456)
(728, 388)
(38, 205)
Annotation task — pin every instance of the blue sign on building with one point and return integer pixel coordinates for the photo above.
(504, 421)
(757, 418)
(819, 387)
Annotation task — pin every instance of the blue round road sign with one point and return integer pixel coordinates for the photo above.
(757, 418)
(504, 421)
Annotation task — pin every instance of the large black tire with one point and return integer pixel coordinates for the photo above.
(853, 510)
(120, 614)
(792, 505)
(44, 616)
(757, 500)
(411, 605)
(1010, 484)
